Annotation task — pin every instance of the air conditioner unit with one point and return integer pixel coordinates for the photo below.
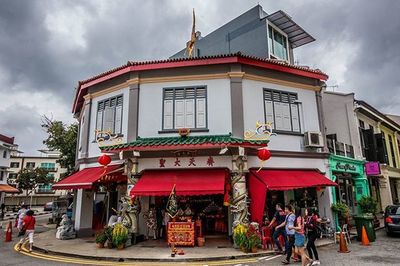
(313, 139)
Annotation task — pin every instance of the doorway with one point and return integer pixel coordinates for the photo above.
(345, 191)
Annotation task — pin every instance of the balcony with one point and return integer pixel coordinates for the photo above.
(340, 148)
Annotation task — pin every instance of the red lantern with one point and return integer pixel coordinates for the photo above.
(104, 160)
(264, 154)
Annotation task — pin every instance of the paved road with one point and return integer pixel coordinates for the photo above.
(385, 251)
(9, 257)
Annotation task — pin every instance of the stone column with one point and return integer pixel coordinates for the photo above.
(84, 212)
(239, 203)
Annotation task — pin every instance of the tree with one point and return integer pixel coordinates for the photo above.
(63, 138)
(28, 179)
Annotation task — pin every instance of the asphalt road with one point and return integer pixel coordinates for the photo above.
(385, 251)
(9, 257)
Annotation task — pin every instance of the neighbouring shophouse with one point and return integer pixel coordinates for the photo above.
(380, 142)
(195, 124)
(346, 160)
(43, 193)
(7, 145)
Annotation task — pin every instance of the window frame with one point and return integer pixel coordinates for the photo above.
(28, 163)
(275, 28)
(14, 163)
(102, 118)
(195, 129)
(298, 133)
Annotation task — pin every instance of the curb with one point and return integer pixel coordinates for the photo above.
(115, 259)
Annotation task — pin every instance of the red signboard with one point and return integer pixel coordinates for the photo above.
(181, 233)
(372, 168)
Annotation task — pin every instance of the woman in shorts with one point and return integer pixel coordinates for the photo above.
(299, 239)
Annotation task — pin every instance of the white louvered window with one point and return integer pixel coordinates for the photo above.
(282, 110)
(109, 115)
(185, 108)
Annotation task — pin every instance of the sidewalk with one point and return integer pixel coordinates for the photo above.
(151, 250)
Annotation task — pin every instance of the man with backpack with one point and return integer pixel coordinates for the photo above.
(288, 223)
(279, 218)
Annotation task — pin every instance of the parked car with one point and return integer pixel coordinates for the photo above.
(392, 219)
(48, 206)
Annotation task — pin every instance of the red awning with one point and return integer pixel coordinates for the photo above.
(291, 179)
(8, 189)
(260, 182)
(87, 177)
(188, 182)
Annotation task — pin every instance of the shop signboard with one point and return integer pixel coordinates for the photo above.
(181, 233)
(345, 167)
(372, 168)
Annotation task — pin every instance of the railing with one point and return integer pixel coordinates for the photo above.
(340, 148)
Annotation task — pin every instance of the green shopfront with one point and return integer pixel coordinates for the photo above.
(352, 181)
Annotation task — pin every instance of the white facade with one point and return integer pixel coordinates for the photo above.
(253, 105)
(218, 107)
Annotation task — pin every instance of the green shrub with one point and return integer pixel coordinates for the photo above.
(341, 209)
(368, 205)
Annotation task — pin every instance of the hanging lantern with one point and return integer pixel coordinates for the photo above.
(263, 154)
(104, 160)
(226, 194)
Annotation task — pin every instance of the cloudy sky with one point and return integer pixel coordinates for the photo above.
(46, 47)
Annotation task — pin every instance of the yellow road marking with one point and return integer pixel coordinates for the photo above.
(25, 252)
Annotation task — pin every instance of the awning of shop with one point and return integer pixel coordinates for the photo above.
(8, 189)
(260, 182)
(187, 182)
(86, 178)
(291, 179)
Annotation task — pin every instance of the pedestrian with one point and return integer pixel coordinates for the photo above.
(279, 218)
(29, 228)
(20, 216)
(289, 224)
(3, 207)
(313, 231)
(300, 239)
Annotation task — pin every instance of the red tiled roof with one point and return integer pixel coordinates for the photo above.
(9, 140)
(131, 66)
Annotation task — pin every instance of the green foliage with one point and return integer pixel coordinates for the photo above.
(341, 209)
(108, 233)
(119, 235)
(253, 238)
(368, 205)
(239, 235)
(63, 138)
(101, 237)
(28, 179)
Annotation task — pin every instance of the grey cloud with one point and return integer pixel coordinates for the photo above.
(139, 30)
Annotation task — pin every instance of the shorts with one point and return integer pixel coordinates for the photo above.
(299, 240)
(29, 235)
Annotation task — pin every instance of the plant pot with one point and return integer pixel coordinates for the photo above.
(100, 245)
(120, 247)
(109, 245)
(254, 250)
(242, 248)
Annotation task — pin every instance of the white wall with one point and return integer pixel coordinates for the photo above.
(253, 104)
(218, 107)
(290, 163)
(94, 150)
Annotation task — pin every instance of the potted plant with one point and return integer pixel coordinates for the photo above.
(119, 235)
(108, 233)
(101, 238)
(253, 239)
(239, 236)
(342, 210)
(368, 205)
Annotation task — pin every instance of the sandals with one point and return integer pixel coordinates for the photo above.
(285, 262)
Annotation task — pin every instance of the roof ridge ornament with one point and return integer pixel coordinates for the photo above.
(263, 131)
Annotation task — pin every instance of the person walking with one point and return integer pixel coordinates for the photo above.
(300, 238)
(288, 224)
(29, 223)
(312, 220)
(20, 216)
(279, 218)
